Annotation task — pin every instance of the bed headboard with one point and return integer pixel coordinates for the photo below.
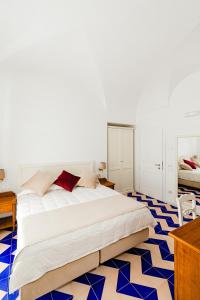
(76, 168)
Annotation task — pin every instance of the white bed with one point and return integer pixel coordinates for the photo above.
(38, 259)
(51, 254)
(191, 175)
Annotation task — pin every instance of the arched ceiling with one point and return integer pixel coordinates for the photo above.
(126, 39)
(186, 58)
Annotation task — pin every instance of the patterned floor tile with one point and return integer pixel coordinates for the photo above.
(14, 296)
(79, 291)
(143, 272)
(60, 296)
(187, 190)
(45, 297)
(5, 235)
(5, 247)
(143, 278)
(3, 295)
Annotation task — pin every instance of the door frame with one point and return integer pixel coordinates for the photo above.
(121, 125)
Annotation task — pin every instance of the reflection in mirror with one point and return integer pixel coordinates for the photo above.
(189, 167)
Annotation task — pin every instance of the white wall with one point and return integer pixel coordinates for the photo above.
(172, 90)
(46, 119)
(51, 112)
(174, 125)
(53, 106)
(188, 146)
(87, 61)
(51, 122)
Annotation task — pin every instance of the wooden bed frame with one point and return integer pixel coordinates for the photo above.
(59, 277)
(189, 183)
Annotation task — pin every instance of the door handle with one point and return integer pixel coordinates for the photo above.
(158, 165)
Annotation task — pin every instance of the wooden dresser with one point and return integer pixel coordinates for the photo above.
(187, 261)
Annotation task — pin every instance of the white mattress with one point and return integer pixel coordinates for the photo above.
(192, 175)
(36, 260)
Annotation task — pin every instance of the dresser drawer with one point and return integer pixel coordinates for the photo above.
(5, 208)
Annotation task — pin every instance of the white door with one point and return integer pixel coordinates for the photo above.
(120, 157)
(151, 162)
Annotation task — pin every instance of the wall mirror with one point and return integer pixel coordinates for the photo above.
(188, 159)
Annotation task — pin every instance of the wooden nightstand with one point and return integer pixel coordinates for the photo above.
(107, 183)
(8, 205)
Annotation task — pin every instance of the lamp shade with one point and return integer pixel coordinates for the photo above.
(102, 165)
(2, 174)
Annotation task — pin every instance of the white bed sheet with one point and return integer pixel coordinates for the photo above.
(40, 258)
(192, 175)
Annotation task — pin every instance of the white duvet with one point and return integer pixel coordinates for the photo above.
(192, 175)
(50, 254)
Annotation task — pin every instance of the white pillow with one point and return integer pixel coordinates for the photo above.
(88, 179)
(184, 166)
(39, 183)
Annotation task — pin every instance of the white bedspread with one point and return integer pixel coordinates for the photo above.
(192, 175)
(42, 257)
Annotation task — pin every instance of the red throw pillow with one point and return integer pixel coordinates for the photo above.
(67, 181)
(190, 163)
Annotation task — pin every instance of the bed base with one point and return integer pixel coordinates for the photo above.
(189, 183)
(57, 278)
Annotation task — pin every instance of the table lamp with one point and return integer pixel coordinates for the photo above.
(102, 167)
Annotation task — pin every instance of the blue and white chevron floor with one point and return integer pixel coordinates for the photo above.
(187, 190)
(144, 272)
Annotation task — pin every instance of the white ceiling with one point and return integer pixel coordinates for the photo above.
(126, 39)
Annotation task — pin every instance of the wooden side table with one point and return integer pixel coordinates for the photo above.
(107, 183)
(8, 205)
